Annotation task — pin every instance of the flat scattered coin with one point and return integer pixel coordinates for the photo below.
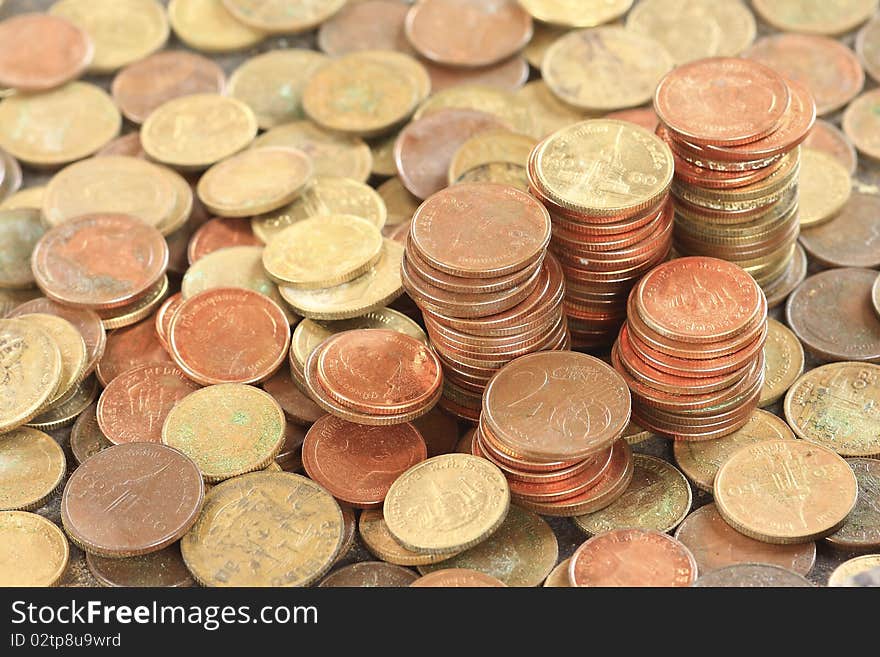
(29, 198)
(131, 499)
(269, 548)
(296, 404)
(783, 362)
(558, 577)
(207, 25)
(489, 147)
(815, 16)
(19, 231)
(504, 105)
(282, 16)
(825, 187)
(33, 551)
(850, 238)
(381, 543)
(748, 575)
(370, 574)
(847, 572)
(588, 13)
(129, 347)
(164, 568)
(64, 412)
(32, 361)
(227, 429)
(868, 47)
(220, 233)
(785, 491)
(828, 138)
(32, 465)
(860, 123)
(508, 75)
(862, 527)
(86, 438)
(457, 578)
(344, 32)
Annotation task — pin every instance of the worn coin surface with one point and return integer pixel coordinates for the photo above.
(861, 121)
(381, 542)
(33, 550)
(32, 466)
(749, 575)
(862, 527)
(31, 362)
(207, 25)
(846, 572)
(220, 233)
(585, 13)
(282, 16)
(851, 238)
(20, 229)
(164, 568)
(558, 577)
(129, 347)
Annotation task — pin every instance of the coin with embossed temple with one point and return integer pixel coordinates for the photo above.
(86, 438)
(32, 361)
(457, 578)
(752, 575)
(370, 574)
(861, 530)
(33, 550)
(783, 362)
(847, 573)
(164, 568)
(32, 466)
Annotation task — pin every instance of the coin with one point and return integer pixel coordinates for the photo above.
(632, 557)
(19, 231)
(296, 405)
(86, 438)
(549, 114)
(206, 25)
(33, 551)
(507, 107)
(81, 118)
(509, 75)
(868, 47)
(828, 138)
(344, 32)
(521, 552)
(558, 577)
(833, 316)
(440, 431)
(128, 145)
(848, 239)
(32, 466)
(748, 575)
(220, 233)
(278, 16)
(164, 568)
(489, 147)
(849, 570)
(64, 412)
(371, 574)
(783, 362)
(71, 345)
(815, 16)
(129, 347)
(41, 51)
(824, 188)
(860, 123)
(32, 361)
(861, 530)
(457, 578)
(381, 542)
(29, 198)
(447, 503)
(587, 13)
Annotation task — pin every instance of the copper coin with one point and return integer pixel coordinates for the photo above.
(829, 138)
(129, 347)
(457, 578)
(378, 371)
(851, 238)
(229, 335)
(40, 52)
(510, 75)
(861, 530)
(141, 87)
(749, 103)
(829, 69)
(371, 574)
(752, 575)
(133, 406)
(289, 458)
(833, 315)
(715, 544)
(425, 147)
(296, 404)
(632, 557)
(164, 314)
(357, 464)
(440, 431)
(221, 233)
(468, 32)
(99, 260)
(86, 438)
(367, 25)
(131, 499)
(164, 568)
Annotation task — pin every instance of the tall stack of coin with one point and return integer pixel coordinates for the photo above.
(606, 186)
(734, 126)
(537, 427)
(475, 265)
(691, 350)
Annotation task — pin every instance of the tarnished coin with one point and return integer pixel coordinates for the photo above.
(521, 552)
(71, 345)
(815, 16)
(862, 527)
(851, 238)
(296, 405)
(381, 542)
(846, 572)
(447, 503)
(33, 551)
(828, 138)
(282, 16)
(19, 232)
(32, 466)
(220, 233)
(457, 578)
(131, 499)
(715, 544)
(31, 362)
(206, 25)
(370, 574)
(785, 491)
(64, 412)
(129, 347)
(861, 123)
(824, 187)
(227, 429)
(658, 497)
(783, 362)
(264, 529)
(86, 438)
(749, 575)
(164, 568)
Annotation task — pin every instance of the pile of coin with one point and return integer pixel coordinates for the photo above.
(539, 427)
(606, 186)
(691, 350)
(475, 265)
(734, 126)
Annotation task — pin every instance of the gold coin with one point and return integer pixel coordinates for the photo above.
(843, 574)
(236, 266)
(576, 13)
(489, 147)
(861, 123)
(325, 195)
(183, 205)
(64, 412)
(227, 429)
(194, 132)
(783, 362)
(605, 69)
(28, 198)
(132, 313)
(33, 551)
(862, 527)
(10, 299)
(379, 286)
(700, 459)
(824, 187)
(405, 64)
(283, 16)
(323, 250)
(447, 503)
(785, 491)
(254, 181)
(32, 364)
(502, 173)
(381, 543)
(355, 94)
(521, 552)
(383, 157)
(838, 406)
(634, 434)
(658, 497)
(815, 16)
(264, 529)
(695, 29)
(71, 345)
(122, 31)
(58, 126)
(504, 105)
(344, 156)
(32, 466)
(206, 25)
(111, 184)
(544, 36)
(400, 203)
(20, 230)
(271, 84)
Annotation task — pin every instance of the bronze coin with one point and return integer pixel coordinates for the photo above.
(133, 406)
(129, 347)
(297, 406)
(131, 499)
(164, 568)
(357, 464)
(832, 314)
(229, 335)
(164, 314)
(829, 138)
(220, 233)
(752, 575)
(86, 438)
(367, 25)
(372, 574)
(851, 238)
(440, 431)
(457, 578)
(508, 75)
(99, 260)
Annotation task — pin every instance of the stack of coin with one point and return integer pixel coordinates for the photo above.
(538, 427)
(734, 126)
(691, 350)
(606, 186)
(475, 265)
